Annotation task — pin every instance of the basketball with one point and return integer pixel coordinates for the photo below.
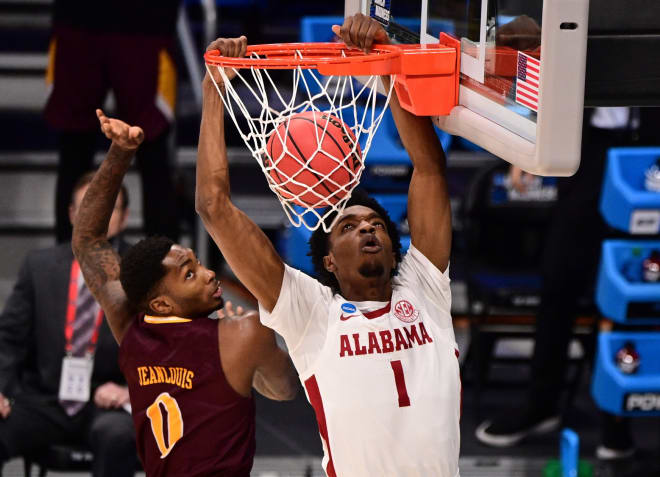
(310, 167)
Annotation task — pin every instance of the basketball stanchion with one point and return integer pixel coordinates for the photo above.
(310, 133)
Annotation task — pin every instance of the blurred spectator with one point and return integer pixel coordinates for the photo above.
(125, 47)
(49, 315)
(571, 258)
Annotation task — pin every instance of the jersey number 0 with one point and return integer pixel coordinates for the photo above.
(173, 420)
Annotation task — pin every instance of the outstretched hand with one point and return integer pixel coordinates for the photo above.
(228, 311)
(361, 31)
(125, 136)
(228, 47)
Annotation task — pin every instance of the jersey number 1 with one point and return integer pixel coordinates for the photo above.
(174, 421)
(400, 382)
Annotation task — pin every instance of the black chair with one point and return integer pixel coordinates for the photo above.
(59, 457)
(503, 244)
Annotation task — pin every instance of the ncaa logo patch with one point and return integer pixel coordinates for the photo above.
(348, 308)
(405, 312)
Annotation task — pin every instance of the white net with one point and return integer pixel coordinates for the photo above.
(309, 133)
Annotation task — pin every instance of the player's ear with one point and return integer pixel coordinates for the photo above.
(329, 263)
(161, 306)
(123, 221)
(72, 213)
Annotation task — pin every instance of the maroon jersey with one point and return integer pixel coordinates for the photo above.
(189, 421)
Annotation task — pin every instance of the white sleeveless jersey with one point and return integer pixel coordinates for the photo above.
(383, 378)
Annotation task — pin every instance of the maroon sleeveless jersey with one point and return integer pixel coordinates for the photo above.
(189, 421)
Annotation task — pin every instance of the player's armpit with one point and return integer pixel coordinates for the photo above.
(250, 358)
(276, 379)
(274, 376)
(117, 310)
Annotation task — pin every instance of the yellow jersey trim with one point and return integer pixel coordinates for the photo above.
(167, 83)
(161, 320)
(50, 70)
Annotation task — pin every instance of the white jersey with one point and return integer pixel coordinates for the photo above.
(383, 377)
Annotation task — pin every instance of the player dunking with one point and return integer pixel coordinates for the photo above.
(373, 343)
(189, 377)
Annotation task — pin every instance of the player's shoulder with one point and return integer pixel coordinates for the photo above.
(414, 254)
(307, 284)
(414, 261)
(405, 267)
(297, 275)
(418, 276)
(199, 328)
(242, 327)
(133, 339)
(245, 334)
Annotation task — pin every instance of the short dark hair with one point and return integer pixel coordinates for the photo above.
(319, 242)
(142, 269)
(87, 178)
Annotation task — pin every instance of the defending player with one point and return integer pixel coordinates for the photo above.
(189, 377)
(373, 343)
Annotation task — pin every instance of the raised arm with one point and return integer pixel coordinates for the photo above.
(429, 213)
(98, 261)
(246, 248)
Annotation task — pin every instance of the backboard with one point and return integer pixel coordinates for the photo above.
(522, 68)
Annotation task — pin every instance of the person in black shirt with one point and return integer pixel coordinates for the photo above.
(124, 46)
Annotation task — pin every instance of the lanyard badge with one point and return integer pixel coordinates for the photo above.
(76, 377)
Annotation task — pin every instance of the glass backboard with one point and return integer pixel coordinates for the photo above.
(522, 72)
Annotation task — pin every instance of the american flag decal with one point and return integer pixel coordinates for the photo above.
(527, 81)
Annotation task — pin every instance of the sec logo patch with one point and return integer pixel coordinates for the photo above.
(405, 312)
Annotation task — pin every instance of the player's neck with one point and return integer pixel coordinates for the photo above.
(367, 290)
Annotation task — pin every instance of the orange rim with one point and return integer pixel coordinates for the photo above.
(426, 75)
(308, 56)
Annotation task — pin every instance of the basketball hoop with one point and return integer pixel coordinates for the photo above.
(314, 182)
